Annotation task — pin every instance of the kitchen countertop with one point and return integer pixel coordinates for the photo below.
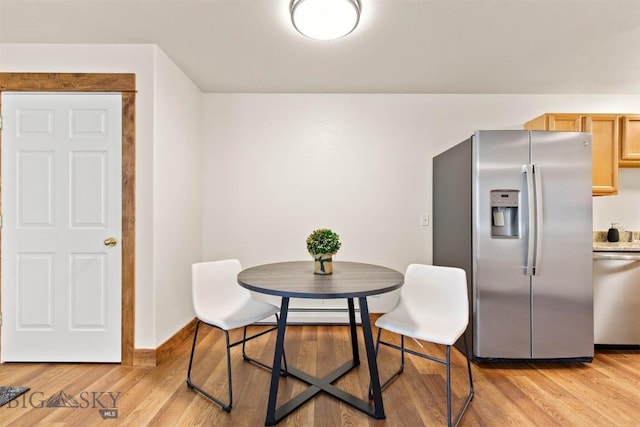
(616, 247)
(630, 242)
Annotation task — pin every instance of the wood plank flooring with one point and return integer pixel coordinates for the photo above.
(605, 392)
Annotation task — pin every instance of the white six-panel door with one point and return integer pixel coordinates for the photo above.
(61, 202)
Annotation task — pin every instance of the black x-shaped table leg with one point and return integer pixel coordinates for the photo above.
(316, 385)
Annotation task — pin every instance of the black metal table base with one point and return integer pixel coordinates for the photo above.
(317, 385)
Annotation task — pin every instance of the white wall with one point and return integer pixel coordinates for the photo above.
(177, 194)
(168, 130)
(279, 166)
(624, 208)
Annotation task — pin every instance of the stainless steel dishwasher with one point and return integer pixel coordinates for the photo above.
(616, 298)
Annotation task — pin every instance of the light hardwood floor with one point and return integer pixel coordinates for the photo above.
(605, 392)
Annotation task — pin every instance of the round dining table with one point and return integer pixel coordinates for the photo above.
(349, 280)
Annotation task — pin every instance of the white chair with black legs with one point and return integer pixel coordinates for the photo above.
(220, 302)
(433, 307)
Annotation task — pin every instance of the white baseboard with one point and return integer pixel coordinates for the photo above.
(307, 316)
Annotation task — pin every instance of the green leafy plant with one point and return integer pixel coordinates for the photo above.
(323, 241)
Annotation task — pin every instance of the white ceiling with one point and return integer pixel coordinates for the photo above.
(400, 46)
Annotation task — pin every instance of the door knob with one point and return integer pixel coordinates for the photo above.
(110, 241)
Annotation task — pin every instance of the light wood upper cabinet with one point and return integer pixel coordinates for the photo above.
(557, 122)
(605, 140)
(630, 141)
(566, 122)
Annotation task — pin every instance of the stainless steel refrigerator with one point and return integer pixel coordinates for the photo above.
(514, 210)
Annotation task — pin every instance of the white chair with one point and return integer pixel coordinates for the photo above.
(219, 301)
(433, 307)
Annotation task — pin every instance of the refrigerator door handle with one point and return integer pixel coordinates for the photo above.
(531, 231)
(537, 174)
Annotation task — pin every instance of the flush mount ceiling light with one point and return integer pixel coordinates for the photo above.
(325, 19)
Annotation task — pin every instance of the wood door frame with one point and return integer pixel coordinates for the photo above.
(99, 82)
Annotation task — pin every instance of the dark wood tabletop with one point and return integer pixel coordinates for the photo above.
(296, 279)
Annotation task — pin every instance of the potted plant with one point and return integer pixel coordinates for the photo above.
(322, 244)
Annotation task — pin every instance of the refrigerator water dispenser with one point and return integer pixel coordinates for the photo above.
(504, 213)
